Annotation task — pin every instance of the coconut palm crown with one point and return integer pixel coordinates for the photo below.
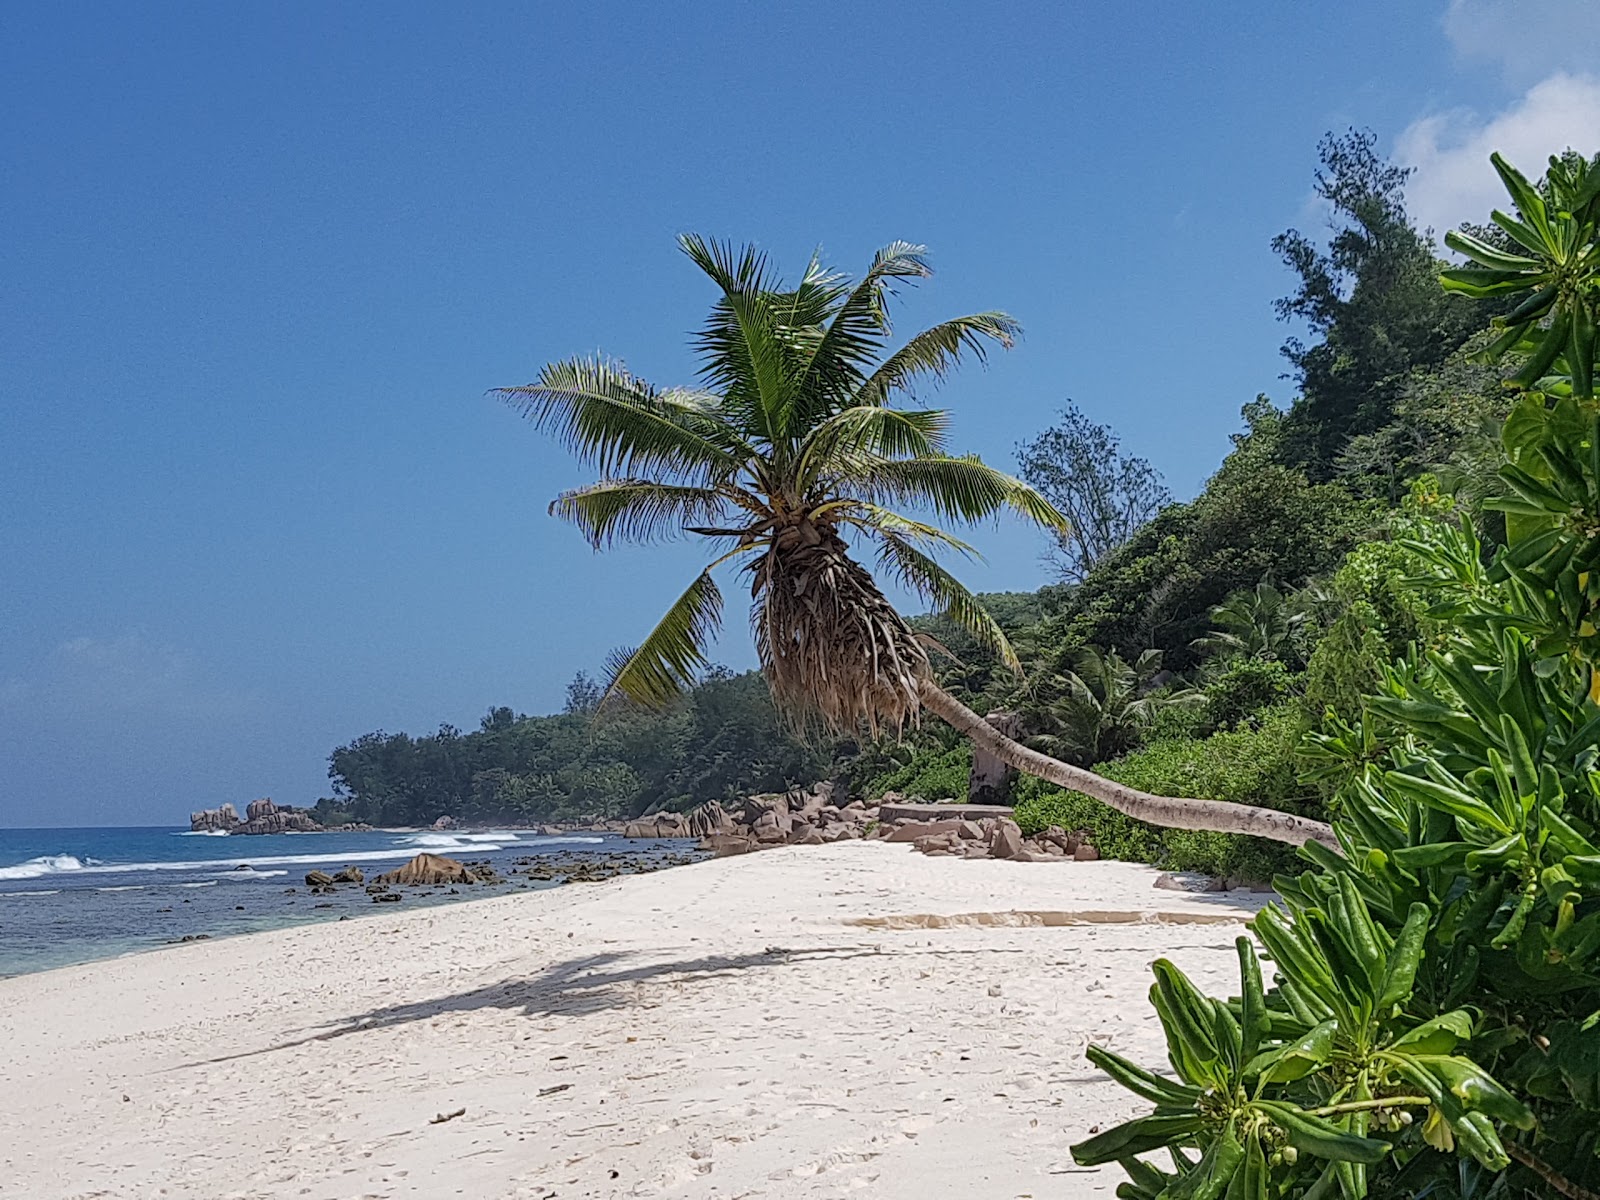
(789, 447)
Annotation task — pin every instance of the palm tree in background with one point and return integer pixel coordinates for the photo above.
(1106, 705)
(789, 446)
(1259, 623)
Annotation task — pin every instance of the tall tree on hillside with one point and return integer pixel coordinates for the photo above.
(1106, 495)
(1370, 300)
(789, 446)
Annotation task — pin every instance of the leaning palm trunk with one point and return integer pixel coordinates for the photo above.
(1172, 812)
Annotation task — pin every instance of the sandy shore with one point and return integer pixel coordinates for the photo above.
(728, 1029)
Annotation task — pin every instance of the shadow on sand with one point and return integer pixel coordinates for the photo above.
(577, 987)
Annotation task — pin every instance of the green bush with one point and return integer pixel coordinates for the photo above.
(933, 774)
(1244, 766)
(1244, 688)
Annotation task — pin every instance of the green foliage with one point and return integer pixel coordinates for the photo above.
(1372, 299)
(1243, 688)
(1369, 616)
(1255, 518)
(722, 740)
(1260, 623)
(1103, 706)
(1437, 995)
(933, 774)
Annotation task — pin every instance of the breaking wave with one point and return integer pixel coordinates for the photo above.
(460, 841)
(48, 864)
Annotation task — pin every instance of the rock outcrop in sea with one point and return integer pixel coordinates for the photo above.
(261, 816)
(214, 820)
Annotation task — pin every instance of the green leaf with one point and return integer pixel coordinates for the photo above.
(1488, 256)
(1189, 1022)
(1481, 282)
(1400, 971)
(1447, 799)
(1438, 1036)
(1432, 854)
(1296, 1059)
(1138, 1136)
(666, 662)
(1314, 1135)
(1476, 1089)
(1254, 1023)
(1527, 199)
(918, 572)
(1153, 1087)
(1549, 348)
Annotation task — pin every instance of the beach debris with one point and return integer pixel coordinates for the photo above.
(551, 1091)
(441, 1118)
(428, 869)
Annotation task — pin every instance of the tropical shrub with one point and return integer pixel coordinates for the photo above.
(933, 774)
(1243, 688)
(1434, 1028)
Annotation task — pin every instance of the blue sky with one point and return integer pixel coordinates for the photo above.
(260, 263)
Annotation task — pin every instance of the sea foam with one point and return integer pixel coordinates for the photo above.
(48, 864)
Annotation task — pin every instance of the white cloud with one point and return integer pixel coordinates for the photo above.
(1454, 181)
(1526, 39)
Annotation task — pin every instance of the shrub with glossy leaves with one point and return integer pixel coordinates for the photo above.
(1434, 1024)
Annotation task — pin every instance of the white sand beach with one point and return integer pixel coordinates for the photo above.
(728, 1029)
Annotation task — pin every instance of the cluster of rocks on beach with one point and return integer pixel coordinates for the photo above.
(823, 813)
(430, 873)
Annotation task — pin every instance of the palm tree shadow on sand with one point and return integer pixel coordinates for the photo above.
(581, 986)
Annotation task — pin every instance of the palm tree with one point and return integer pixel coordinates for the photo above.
(790, 445)
(1107, 703)
(1259, 623)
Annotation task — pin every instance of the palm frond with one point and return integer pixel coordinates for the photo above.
(920, 573)
(876, 520)
(961, 488)
(869, 430)
(855, 336)
(604, 415)
(933, 353)
(665, 663)
(742, 344)
(637, 510)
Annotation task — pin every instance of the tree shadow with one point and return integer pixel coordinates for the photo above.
(577, 987)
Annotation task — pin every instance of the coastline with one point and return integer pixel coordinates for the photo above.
(70, 896)
(753, 1025)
